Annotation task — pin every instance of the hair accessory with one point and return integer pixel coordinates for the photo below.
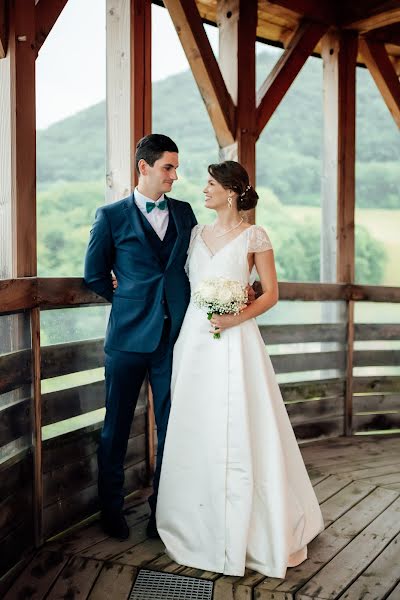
(248, 187)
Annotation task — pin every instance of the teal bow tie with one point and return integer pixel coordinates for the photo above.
(161, 204)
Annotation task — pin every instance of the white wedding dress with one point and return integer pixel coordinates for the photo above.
(234, 491)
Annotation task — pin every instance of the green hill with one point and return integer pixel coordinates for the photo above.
(288, 152)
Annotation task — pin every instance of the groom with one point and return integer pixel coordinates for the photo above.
(143, 239)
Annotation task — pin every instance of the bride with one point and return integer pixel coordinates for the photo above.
(234, 491)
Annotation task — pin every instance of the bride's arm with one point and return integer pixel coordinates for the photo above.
(265, 265)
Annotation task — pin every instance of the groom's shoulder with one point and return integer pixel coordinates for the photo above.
(180, 204)
(114, 207)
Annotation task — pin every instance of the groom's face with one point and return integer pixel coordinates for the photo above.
(161, 176)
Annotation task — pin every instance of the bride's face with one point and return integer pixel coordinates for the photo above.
(215, 195)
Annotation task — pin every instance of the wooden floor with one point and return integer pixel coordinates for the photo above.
(357, 482)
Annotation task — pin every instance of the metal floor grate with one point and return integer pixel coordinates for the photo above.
(155, 585)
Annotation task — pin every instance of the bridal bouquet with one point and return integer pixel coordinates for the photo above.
(220, 296)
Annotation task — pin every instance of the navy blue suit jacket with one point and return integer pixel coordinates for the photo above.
(118, 242)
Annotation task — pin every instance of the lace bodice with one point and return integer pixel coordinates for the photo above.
(230, 261)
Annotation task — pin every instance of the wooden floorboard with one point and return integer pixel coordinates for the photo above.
(356, 557)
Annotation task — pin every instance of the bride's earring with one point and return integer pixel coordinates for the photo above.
(230, 201)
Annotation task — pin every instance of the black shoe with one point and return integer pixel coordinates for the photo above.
(114, 524)
(151, 529)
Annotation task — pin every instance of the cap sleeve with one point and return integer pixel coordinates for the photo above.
(194, 233)
(258, 239)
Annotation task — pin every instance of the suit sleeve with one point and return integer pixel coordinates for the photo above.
(193, 217)
(100, 257)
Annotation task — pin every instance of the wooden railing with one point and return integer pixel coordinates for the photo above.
(63, 487)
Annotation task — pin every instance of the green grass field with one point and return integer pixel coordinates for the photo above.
(384, 225)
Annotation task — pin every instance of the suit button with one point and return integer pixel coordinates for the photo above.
(162, 302)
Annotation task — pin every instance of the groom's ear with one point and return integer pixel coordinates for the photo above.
(142, 167)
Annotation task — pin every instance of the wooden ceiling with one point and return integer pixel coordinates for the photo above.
(279, 19)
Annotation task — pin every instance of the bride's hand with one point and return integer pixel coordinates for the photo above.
(221, 322)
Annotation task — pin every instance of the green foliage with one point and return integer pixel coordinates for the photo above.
(66, 212)
(288, 151)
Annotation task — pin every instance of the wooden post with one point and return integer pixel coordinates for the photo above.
(339, 52)
(237, 21)
(18, 196)
(128, 90)
(128, 113)
(37, 426)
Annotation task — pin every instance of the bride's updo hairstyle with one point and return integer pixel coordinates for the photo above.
(232, 176)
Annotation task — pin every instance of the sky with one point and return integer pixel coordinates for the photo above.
(71, 66)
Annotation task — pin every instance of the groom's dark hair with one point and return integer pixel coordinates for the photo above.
(151, 147)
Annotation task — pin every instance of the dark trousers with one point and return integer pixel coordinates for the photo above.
(125, 373)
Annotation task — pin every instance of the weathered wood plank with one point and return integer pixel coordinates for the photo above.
(109, 548)
(346, 566)
(378, 331)
(336, 506)
(367, 358)
(80, 504)
(365, 17)
(114, 581)
(15, 370)
(12, 473)
(308, 361)
(299, 333)
(83, 538)
(142, 553)
(38, 577)
(19, 543)
(328, 544)
(308, 390)
(76, 579)
(330, 486)
(300, 412)
(376, 402)
(75, 445)
(395, 593)
(15, 421)
(64, 404)
(17, 294)
(66, 480)
(319, 428)
(61, 359)
(64, 292)
(376, 384)
(376, 422)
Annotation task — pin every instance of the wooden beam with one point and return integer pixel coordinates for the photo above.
(329, 179)
(363, 18)
(140, 74)
(320, 11)
(205, 69)
(47, 13)
(346, 156)
(3, 28)
(246, 128)
(237, 21)
(384, 74)
(128, 90)
(18, 144)
(286, 70)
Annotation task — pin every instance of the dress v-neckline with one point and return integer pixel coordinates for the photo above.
(212, 254)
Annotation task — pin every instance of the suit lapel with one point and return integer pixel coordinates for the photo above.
(137, 225)
(174, 214)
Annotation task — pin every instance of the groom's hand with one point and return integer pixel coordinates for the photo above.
(114, 281)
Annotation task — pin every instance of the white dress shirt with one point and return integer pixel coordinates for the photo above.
(157, 218)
